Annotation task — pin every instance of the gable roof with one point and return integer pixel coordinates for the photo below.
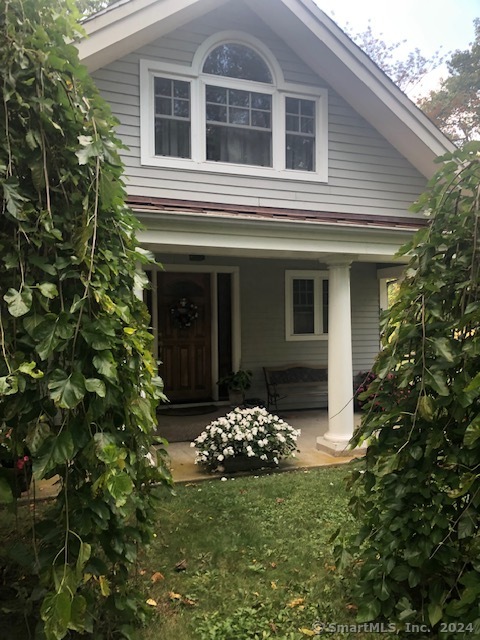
(128, 25)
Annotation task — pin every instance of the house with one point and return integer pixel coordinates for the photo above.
(273, 166)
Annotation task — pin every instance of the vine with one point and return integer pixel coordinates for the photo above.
(418, 500)
(78, 382)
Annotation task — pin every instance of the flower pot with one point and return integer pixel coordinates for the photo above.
(246, 463)
(235, 397)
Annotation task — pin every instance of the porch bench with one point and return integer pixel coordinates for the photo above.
(294, 380)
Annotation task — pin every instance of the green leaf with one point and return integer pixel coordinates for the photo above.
(120, 487)
(436, 381)
(79, 609)
(472, 432)
(443, 348)
(29, 368)
(46, 336)
(426, 408)
(56, 613)
(368, 610)
(48, 290)
(83, 557)
(6, 495)
(19, 302)
(435, 613)
(94, 385)
(55, 451)
(66, 390)
(37, 434)
(14, 199)
(8, 385)
(105, 364)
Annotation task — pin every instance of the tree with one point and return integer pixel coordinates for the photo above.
(455, 106)
(78, 384)
(418, 501)
(406, 72)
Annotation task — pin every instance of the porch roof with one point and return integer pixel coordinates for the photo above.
(185, 227)
(146, 204)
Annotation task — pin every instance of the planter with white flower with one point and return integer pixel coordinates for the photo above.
(245, 439)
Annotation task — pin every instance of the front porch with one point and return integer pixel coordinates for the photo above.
(313, 424)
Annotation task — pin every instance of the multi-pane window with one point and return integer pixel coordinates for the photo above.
(172, 118)
(303, 304)
(300, 134)
(231, 111)
(306, 305)
(239, 126)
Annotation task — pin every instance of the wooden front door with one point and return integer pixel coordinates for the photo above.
(184, 335)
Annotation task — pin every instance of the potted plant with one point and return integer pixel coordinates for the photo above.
(245, 439)
(237, 382)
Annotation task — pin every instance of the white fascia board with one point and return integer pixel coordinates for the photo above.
(127, 27)
(329, 52)
(267, 239)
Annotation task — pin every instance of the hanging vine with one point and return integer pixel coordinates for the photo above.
(78, 383)
(419, 499)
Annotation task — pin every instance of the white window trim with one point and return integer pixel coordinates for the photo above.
(318, 277)
(279, 90)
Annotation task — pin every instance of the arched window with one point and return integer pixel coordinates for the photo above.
(234, 60)
(239, 121)
(231, 111)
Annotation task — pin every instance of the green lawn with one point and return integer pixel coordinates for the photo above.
(240, 559)
(256, 557)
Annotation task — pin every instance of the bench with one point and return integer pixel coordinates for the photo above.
(294, 380)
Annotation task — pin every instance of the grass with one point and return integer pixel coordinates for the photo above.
(247, 558)
(250, 558)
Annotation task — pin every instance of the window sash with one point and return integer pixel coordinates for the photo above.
(306, 300)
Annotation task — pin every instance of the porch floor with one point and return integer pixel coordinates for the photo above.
(313, 423)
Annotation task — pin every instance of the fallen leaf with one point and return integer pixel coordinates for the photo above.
(189, 602)
(307, 632)
(273, 565)
(280, 500)
(352, 607)
(243, 491)
(174, 596)
(142, 572)
(181, 566)
(273, 627)
(152, 602)
(157, 576)
(296, 602)
(330, 567)
(273, 584)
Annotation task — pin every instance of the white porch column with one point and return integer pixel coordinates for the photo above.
(340, 369)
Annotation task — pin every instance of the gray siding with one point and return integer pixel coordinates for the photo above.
(262, 304)
(366, 174)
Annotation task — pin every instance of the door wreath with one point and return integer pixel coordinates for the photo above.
(184, 313)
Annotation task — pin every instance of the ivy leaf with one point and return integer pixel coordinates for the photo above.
(66, 390)
(94, 385)
(19, 302)
(77, 618)
(14, 199)
(8, 385)
(55, 451)
(36, 435)
(29, 369)
(56, 613)
(106, 365)
(48, 290)
(472, 432)
(120, 487)
(426, 408)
